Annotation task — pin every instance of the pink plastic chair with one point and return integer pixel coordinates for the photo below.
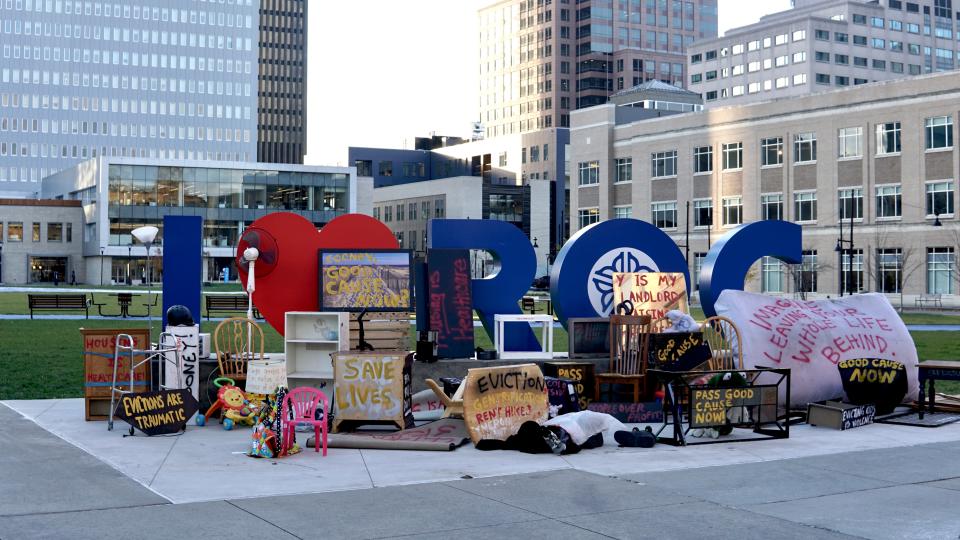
(303, 401)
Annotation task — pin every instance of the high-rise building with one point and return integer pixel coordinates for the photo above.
(282, 82)
(540, 59)
(819, 45)
(165, 79)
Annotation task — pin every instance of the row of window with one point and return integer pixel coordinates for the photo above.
(125, 11)
(125, 58)
(386, 213)
(132, 106)
(95, 80)
(938, 135)
(751, 67)
(126, 35)
(56, 232)
(172, 132)
(755, 45)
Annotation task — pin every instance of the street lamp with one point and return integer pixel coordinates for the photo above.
(146, 235)
(101, 266)
(841, 242)
(129, 256)
(936, 221)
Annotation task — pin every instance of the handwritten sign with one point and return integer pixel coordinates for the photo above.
(710, 405)
(450, 302)
(678, 351)
(562, 396)
(157, 413)
(648, 412)
(496, 401)
(372, 388)
(874, 380)
(188, 340)
(840, 415)
(812, 337)
(650, 293)
(365, 280)
(578, 373)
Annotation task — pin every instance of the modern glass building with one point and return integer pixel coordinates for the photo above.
(227, 195)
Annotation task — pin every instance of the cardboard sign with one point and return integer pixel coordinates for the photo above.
(189, 338)
(450, 302)
(373, 388)
(579, 373)
(631, 413)
(650, 293)
(157, 413)
(496, 401)
(813, 337)
(365, 280)
(678, 351)
(264, 376)
(562, 396)
(710, 405)
(98, 350)
(874, 381)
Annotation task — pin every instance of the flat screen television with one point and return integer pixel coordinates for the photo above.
(589, 337)
(366, 280)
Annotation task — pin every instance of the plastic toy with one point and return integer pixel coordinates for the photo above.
(238, 407)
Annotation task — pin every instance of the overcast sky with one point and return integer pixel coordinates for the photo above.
(381, 72)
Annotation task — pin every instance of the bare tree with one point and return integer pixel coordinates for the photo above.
(906, 263)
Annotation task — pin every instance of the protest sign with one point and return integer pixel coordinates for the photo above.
(450, 302)
(372, 280)
(678, 351)
(496, 401)
(372, 388)
(813, 337)
(157, 413)
(874, 381)
(650, 293)
(99, 345)
(710, 405)
(579, 373)
(644, 412)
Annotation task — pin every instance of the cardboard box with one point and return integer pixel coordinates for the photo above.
(839, 415)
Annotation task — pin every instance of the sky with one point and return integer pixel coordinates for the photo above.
(381, 72)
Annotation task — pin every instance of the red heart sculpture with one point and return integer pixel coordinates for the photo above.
(293, 284)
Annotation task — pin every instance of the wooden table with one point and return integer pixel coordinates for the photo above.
(931, 371)
(124, 300)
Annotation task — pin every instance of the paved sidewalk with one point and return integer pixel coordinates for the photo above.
(51, 489)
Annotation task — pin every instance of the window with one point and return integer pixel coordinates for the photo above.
(876, 22)
(703, 213)
(888, 138)
(860, 40)
(702, 159)
(823, 78)
(851, 270)
(807, 276)
(804, 148)
(939, 131)
(841, 37)
(663, 164)
(732, 211)
(412, 212)
(859, 19)
(889, 269)
(772, 275)
(621, 212)
(400, 209)
(940, 270)
(851, 203)
(851, 142)
(15, 231)
(878, 43)
(841, 80)
(771, 151)
(841, 59)
(880, 64)
(823, 35)
(623, 169)
(805, 206)
(733, 156)
(54, 232)
(387, 213)
(36, 232)
(859, 61)
(888, 201)
(799, 35)
(771, 206)
(780, 39)
(821, 56)
(386, 168)
(664, 214)
(940, 198)
(588, 216)
(589, 173)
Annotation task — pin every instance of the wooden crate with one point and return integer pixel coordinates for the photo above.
(384, 331)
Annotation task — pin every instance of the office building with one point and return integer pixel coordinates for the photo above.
(824, 44)
(121, 194)
(882, 155)
(540, 59)
(406, 209)
(282, 82)
(40, 241)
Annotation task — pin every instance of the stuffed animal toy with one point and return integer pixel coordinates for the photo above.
(238, 407)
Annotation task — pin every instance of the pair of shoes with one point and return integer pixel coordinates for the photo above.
(636, 438)
(554, 442)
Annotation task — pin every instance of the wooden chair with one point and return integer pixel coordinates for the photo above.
(629, 348)
(723, 337)
(237, 340)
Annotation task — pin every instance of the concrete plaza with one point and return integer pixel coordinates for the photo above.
(879, 481)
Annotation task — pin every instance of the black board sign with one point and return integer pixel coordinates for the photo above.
(450, 301)
(875, 381)
(678, 351)
(589, 337)
(562, 395)
(631, 413)
(157, 413)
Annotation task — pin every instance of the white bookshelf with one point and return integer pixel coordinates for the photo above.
(310, 340)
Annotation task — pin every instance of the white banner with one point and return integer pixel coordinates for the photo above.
(812, 337)
(189, 355)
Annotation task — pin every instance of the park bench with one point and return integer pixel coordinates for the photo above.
(935, 300)
(228, 304)
(58, 302)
